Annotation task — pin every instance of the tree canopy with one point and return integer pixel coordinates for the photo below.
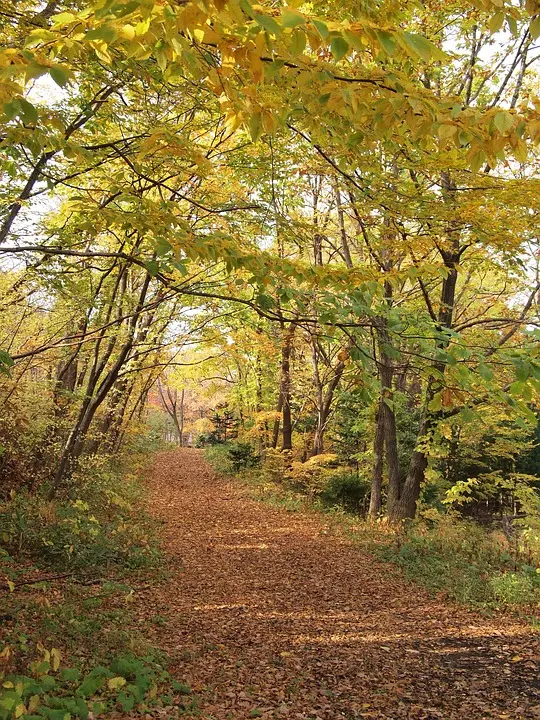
(320, 217)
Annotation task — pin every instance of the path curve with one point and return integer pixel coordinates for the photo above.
(267, 615)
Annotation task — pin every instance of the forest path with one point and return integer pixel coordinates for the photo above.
(268, 616)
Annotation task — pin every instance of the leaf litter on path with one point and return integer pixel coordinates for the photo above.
(266, 615)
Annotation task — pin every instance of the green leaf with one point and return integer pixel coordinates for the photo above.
(127, 701)
(467, 415)
(90, 686)
(485, 372)
(254, 126)
(105, 33)
(267, 23)
(265, 301)
(503, 121)
(496, 22)
(29, 112)
(6, 362)
(153, 267)
(246, 7)
(47, 683)
(70, 674)
(477, 160)
(523, 369)
(339, 47)
(322, 28)
(516, 388)
(291, 19)
(60, 75)
(63, 18)
(535, 27)
(419, 45)
(298, 42)
(387, 41)
(512, 25)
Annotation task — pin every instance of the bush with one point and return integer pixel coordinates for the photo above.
(515, 588)
(347, 490)
(465, 561)
(242, 456)
(97, 524)
(231, 458)
(51, 691)
(208, 438)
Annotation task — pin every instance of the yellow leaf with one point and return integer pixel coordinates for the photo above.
(55, 658)
(20, 710)
(127, 32)
(11, 586)
(517, 658)
(116, 682)
(447, 131)
(33, 703)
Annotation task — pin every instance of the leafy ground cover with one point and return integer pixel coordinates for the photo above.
(71, 644)
(281, 614)
(462, 560)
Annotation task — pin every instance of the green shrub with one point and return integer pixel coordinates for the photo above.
(347, 490)
(465, 561)
(208, 438)
(515, 588)
(231, 458)
(242, 456)
(96, 524)
(49, 691)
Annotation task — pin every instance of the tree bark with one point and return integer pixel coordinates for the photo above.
(375, 499)
(286, 353)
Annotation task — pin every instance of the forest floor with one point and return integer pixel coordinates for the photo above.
(268, 615)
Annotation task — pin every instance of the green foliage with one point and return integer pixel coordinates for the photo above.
(207, 438)
(347, 490)
(516, 588)
(464, 561)
(50, 691)
(98, 524)
(231, 458)
(242, 456)
(6, 362)
(150, 438)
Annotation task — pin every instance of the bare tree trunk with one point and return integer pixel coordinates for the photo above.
(181, 418)
(325, 409)
(277, 422)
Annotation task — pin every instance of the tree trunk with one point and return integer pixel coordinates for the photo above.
(284, 399)
(277, 423)
(406, 505)
(375, 500)
(181, 418)
(326, 409)
(95, 395)
(286, 387)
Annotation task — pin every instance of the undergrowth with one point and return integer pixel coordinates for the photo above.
(456, 558)
(465, 561)
(71, 570)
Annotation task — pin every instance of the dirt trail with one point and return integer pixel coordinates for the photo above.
(269, 616)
